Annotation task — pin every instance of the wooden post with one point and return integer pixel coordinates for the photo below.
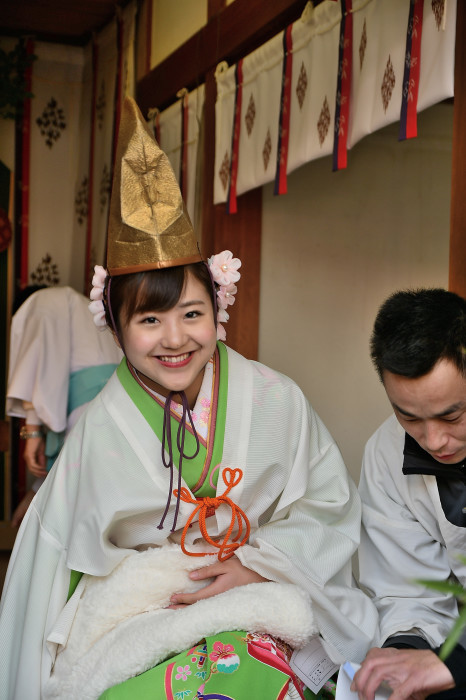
(457, 268)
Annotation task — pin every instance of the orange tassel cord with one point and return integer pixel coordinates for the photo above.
(206, 507)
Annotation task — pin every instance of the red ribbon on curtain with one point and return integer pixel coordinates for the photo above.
(26, 172)
(342, 103)
(87, 262)
(184, 145)
(232, 205)
(408, 113)
(285, 113)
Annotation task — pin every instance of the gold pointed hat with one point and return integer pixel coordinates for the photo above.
(149, 226)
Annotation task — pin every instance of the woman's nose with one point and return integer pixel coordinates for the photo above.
(174, 336)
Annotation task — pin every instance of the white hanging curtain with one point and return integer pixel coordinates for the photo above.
(114, 79)
(177, 130)
(60, 154)
(55, 157)
(354, 68)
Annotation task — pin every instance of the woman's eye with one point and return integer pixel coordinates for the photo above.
(149, 320)
(193, 314)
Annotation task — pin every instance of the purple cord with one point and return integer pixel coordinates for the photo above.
(167, 446)
(166, 431)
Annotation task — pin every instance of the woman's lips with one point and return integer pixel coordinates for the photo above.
(175, 361)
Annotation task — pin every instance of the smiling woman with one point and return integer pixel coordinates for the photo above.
(200, 488)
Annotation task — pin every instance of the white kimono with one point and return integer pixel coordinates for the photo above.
(406, 537)
(53, 335)
(107, 491)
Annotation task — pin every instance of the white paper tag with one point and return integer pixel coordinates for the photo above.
(345, 677)
(313, 665)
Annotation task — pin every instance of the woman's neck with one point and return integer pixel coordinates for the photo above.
(191, 392)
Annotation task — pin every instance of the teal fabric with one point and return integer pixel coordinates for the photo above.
(84, 385)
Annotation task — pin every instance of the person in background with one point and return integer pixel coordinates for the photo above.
(413, 490)
(58, 362)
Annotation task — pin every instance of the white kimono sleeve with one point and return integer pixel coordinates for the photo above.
(397, 549)
(311, 536)
(34, 593)
(39, 366)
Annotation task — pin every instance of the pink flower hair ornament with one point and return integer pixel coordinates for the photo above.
(96, 307)
(223, 268)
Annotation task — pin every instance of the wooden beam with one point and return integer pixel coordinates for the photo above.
(233, 32)
(457, 274)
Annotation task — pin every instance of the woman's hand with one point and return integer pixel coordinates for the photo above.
(228, 574)
(413, 674)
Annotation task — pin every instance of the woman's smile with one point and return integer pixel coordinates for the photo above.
(175, 361)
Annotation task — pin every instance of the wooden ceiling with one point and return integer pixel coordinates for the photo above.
(62, 21)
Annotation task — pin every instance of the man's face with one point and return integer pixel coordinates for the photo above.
(432, 409)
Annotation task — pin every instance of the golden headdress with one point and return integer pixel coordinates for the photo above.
(149, 226)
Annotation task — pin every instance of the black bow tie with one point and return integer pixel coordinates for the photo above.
(418, 461)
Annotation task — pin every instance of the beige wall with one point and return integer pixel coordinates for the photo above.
(174, 22)
(333, 249)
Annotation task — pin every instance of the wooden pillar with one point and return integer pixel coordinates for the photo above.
(457, 268)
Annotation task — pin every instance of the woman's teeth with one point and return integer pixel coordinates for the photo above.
(174, 359)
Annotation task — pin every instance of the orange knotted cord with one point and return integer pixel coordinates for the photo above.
(204, 507)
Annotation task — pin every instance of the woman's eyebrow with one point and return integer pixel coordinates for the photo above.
(190, 303)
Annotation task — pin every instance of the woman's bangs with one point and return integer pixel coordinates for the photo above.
(159, 290)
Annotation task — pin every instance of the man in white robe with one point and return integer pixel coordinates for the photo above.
(413, 489)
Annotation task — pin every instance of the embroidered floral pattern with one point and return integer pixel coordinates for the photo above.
(224, 172)
(266, 151)
(301, 86)
(46, 272)
(223, 655)
(438, 8)
(324, 122)
(362, 45)
(250, 115)
(52, 122)
(388, 84)
(183, 672)
(81, 201)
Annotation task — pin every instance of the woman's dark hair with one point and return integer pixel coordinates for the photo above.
(415, 329)
(154, 290)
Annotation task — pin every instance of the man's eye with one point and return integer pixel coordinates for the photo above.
(408, 419)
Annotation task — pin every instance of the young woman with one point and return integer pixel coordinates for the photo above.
(190, 451)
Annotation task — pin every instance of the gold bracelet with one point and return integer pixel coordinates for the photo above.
(26, 434)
